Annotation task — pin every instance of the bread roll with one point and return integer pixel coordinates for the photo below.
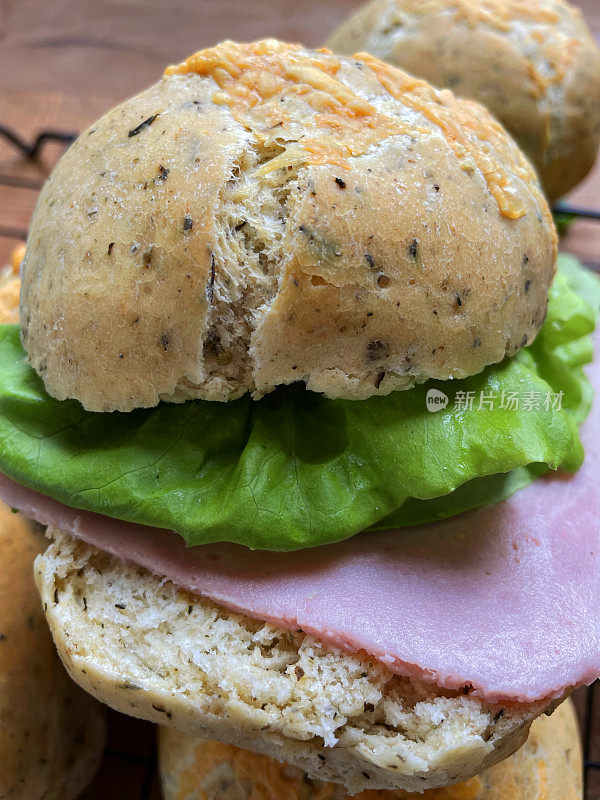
(548, 766)
(533, 63)
(51, 733)
(149, 649)
(267, 214)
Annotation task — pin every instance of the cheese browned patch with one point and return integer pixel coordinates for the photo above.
(253, 80)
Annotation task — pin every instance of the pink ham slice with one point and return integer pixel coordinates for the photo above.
(505, 599)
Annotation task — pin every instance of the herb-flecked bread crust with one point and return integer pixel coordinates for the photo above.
(533, 63)
(267, 214)
(152, 650)
(548, 766)
(51, 733)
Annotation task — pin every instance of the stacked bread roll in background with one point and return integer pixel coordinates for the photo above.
(534, 64)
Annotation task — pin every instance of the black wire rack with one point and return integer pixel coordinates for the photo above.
(137, 750)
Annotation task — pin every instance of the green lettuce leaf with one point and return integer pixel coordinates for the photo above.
(558, 354)
(295, 469)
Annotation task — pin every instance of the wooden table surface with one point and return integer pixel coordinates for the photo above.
(62, 64)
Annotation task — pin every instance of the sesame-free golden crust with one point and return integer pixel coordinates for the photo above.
(534, 64)
(268, 214)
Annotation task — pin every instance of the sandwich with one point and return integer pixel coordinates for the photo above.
(534, 65)
(297, 390)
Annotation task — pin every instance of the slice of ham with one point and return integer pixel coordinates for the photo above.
(504, 599)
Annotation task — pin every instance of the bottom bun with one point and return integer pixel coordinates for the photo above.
(548, 766)
(152, 650)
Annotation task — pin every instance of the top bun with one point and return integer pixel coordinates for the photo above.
(268, 214)
(533, 63)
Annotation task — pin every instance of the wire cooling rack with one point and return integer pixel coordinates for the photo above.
(129, 767)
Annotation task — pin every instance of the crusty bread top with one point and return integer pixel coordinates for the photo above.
(337, 122)
(268, 214)
(533, 63)
(547, 767)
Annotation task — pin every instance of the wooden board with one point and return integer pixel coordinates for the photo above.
(62, 64)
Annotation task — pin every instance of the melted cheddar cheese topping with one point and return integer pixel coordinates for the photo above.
(497, 14)
(503, 14)
(500, 14)
(473, 134)
(534, 19)
(270, 85)
(263, 81)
